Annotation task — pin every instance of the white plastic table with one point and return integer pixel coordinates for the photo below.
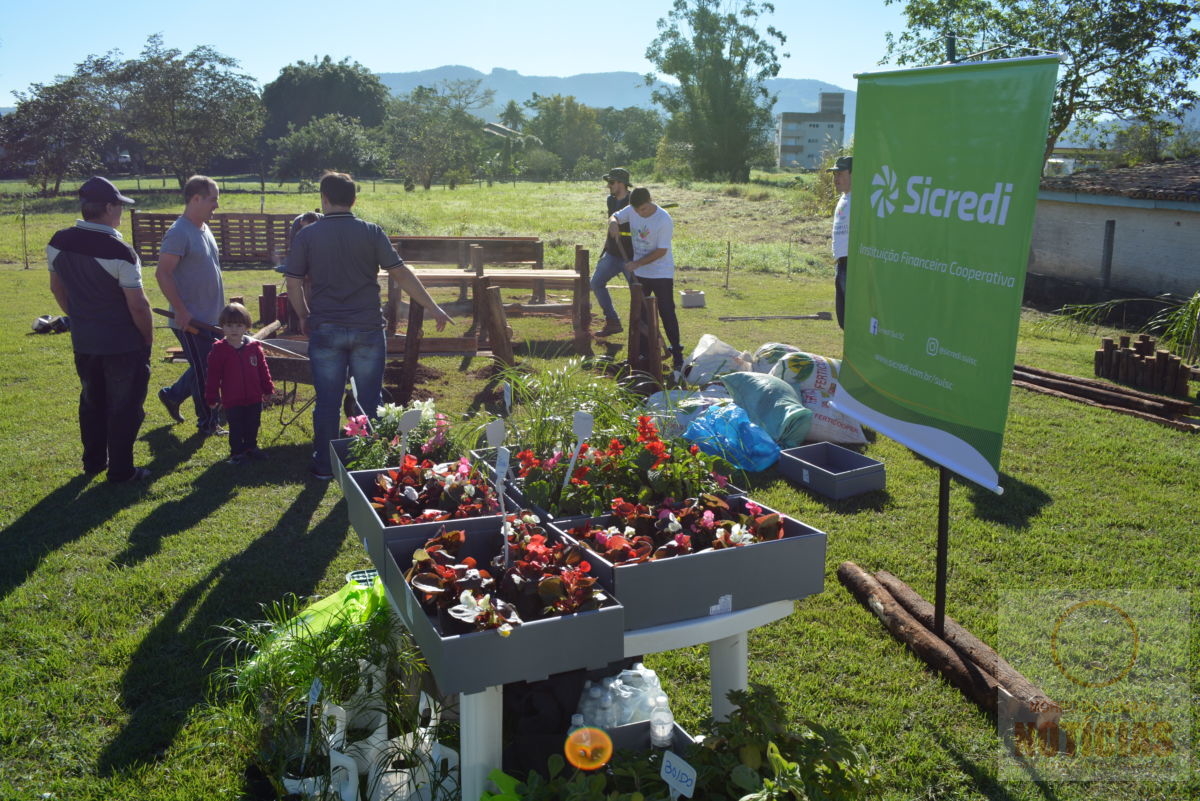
(481, 713)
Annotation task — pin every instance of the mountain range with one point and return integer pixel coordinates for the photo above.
(598, 89)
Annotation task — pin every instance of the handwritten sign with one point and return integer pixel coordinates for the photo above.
(678, 774)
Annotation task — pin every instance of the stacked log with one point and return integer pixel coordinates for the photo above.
(959, 656)
(1172, 412)
(1142, 364)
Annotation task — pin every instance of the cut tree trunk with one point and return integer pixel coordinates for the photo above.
(974, 682)
(960, 639)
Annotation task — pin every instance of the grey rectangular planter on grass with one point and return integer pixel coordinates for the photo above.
(470, 663)
(717, 581)
(831, 470)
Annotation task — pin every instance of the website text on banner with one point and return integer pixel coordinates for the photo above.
(947, 165)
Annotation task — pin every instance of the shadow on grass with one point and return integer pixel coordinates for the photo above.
(1020, 503)
(985, 780)
(167, 674)
(56, 520)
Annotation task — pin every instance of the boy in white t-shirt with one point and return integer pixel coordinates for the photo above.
(653, 264)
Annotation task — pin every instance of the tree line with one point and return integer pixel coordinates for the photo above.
(195, 112)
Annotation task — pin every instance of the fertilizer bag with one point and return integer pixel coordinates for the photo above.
(726, 431)
(772, 405)
(815, 379)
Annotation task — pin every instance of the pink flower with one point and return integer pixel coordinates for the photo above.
(720, 479)
(357, 426)
(752, 508)
(707, 520)
(464, 466)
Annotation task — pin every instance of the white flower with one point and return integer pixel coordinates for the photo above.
(411, 494)
(739, 535)
(673, 525)
(469, 490)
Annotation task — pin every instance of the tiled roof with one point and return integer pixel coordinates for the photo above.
(1172, 180)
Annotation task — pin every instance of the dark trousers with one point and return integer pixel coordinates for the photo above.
(839, 285)
(243, 427)
(113, 389)
(196, 348)
(663, 290)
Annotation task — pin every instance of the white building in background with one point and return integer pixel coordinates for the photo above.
(801, 137)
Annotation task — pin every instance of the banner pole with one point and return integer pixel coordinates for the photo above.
(943, 544)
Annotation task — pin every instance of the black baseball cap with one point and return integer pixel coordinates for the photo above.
(844, 163)
(101, 190)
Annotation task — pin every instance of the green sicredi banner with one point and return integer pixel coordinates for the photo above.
(947, 162)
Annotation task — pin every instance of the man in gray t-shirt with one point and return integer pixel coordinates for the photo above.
(341, 314)
(189, 275)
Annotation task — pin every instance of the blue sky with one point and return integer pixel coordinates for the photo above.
(828, 41)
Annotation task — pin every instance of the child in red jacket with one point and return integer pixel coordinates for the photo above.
(238, 377)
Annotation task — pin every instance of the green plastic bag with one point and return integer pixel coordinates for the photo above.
(772, 405)
(353, 603)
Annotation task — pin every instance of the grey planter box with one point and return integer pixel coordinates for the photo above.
(358, 487)
(831, 470)
(715, 582)
(339, 452)
(469, 663)
(636, 737)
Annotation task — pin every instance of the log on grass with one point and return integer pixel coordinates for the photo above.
(960, 639)
(1166, 421)
(1174, 404)
(1106, 396)
(974, 682)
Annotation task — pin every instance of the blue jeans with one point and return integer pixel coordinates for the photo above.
(336, 352)
(606, 269)
(196, 348)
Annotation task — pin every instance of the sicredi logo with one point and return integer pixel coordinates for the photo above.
(927, 199)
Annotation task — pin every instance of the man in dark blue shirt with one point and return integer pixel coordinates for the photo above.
(97, 280)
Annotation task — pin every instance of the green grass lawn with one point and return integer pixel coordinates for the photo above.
(109, 595)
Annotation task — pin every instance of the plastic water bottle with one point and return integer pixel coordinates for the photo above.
(607, 717)
(577, 722)
(662, 724)
(589, 705)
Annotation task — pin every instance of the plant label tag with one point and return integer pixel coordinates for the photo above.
(494, 433)
(678, 774)
(502, 459)
(506, 388)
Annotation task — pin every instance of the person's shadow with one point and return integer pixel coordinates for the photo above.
(167, 673)
(69, 512)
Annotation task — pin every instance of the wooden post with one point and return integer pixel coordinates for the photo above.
(539, 287)
(653, 352)
(637, 307)
(728, 261)
(581, 305)
(480, 288)
(464, 263)
(412, 352)
(496, 325)
(267, 307)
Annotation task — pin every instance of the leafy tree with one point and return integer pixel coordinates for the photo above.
(540, 164)
(429, 133)
(58, 130)
(1128, 58)
(307, 90)
(721, 108)
(566, 127)
(512, 116)
(185, 110)
(630, 133)
(331, 142)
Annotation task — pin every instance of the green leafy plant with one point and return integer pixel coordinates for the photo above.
(377, 445)
(1176, 324)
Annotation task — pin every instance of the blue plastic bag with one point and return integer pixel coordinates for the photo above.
(726, 431)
